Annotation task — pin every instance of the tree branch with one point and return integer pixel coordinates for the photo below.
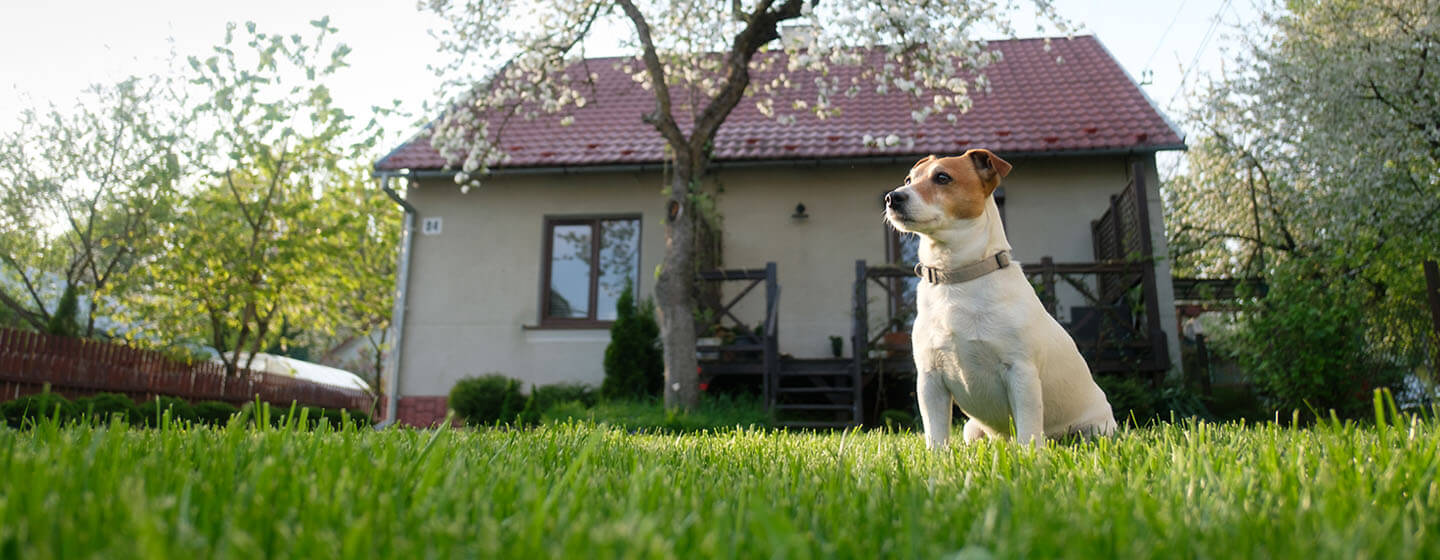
(35, 319)
(29, 288)
(662, 119)
(762, 28)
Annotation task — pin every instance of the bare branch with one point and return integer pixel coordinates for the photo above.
(662, 119)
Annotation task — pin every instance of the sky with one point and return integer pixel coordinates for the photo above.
(55, 49)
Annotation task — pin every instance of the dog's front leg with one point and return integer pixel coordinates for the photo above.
(1027, 406)
(935, 405)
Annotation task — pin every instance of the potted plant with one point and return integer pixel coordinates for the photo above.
(895, 343)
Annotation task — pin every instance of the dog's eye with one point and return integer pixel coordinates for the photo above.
(907, 180)
(942, 178)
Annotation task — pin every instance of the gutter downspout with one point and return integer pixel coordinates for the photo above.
(397, 316)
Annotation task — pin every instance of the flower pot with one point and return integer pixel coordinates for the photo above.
(895, 343)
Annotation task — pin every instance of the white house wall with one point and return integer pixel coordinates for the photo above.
(474, 289)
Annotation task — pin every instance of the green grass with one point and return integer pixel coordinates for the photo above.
(582, 491)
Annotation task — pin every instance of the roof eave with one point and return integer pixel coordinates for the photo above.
(433, 173)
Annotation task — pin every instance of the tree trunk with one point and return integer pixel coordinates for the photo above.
(675, 297)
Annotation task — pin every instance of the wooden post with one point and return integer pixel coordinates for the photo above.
(860, 336)
(1117, 226)
(1432, 292)
(1203, 352)
(772, 334)
(1148, 281)
(1047, 281)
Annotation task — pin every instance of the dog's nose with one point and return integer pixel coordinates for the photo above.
(895, 198)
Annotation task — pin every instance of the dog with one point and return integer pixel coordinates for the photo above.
(981, 336)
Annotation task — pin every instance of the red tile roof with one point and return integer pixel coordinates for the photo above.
(1035, 105)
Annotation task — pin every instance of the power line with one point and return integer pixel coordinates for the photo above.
(1146, 67)
(1204, 42)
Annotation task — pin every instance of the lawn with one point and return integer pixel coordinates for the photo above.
(582, 491)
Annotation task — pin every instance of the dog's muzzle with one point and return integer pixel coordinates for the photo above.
(895, 204)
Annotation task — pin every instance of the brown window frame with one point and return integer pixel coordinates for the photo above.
(547, 257)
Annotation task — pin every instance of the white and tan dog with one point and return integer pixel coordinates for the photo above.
(981, 335)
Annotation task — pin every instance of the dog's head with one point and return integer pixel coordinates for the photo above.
(939, 192)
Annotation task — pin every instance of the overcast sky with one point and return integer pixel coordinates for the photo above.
(54, 49)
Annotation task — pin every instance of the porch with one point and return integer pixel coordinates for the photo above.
(1110, 306)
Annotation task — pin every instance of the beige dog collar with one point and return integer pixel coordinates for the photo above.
(965, 273)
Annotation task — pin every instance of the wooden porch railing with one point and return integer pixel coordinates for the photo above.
(747, 340)
(1106, 328)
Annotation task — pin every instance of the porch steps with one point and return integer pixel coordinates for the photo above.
(817, 394)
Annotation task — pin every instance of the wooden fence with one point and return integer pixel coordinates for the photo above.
(76, 367)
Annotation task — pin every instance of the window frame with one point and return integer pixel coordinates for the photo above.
(547, 257)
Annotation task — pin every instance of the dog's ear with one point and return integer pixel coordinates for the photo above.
(923, 161)
(989, 166)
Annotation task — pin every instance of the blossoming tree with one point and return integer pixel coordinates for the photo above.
(1317, 166)
(699, 61)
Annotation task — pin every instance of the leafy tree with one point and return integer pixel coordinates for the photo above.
(634, 362)
(1319, 164)
(699, 61)
(360, 296)
(81, 193)
(257, 240)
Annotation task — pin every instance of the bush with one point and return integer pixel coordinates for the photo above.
(152, 411)
(357, 417)
(65, 321)
(714, 413)
(1304, 346)
(101, 407)
(487, 399)
(634, 361)
(30, 409)
(896, 420)
(545, 397)
(1130, 398)
(565, 412)
(215, 413)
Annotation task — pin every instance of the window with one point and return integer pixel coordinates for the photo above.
(588, 261)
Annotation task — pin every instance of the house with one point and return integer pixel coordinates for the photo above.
(520, 275)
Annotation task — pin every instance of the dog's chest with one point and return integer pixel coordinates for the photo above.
(962, 339)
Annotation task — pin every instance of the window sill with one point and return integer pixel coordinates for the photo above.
(577, 326)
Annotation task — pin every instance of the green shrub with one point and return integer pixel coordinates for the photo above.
(1177, 402)
(65, 321)
(215, 413)
(152, 411)
(1131, 398)
(564, 412)
(30, 409)
(358, 417)
(544, 397)
(714, 413)
(487, 399)
(100, 408)
(634, 360)
(1237, 402)
(897, 420)
(1304, 346)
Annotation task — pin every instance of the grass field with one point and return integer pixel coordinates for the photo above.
(581, 491)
